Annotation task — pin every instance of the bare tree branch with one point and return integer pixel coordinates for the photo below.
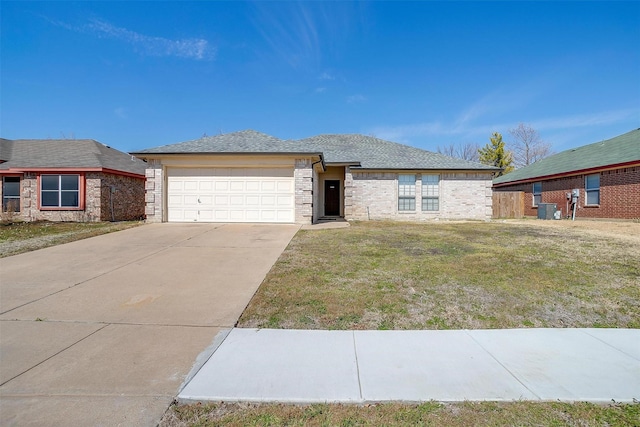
(466, 151)
(527, 146)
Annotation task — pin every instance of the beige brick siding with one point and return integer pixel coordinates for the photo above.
(374, 195)
(128, 201)
(303, 176)
(153, 196)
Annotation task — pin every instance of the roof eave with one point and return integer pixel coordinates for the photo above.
(226, 153)
(19, 170)
(568, 173)
(431, 168)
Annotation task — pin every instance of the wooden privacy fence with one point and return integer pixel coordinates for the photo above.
(508, 204)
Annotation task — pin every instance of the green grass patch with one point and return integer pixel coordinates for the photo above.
(426, 414)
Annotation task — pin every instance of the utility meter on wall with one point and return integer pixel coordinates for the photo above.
(575, 195)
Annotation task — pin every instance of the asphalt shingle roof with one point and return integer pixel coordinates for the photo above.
(66, 153)
(375, 153)
(619, 150)
(243, 142)
(362, 151)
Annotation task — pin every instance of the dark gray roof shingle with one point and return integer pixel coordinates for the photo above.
(375, 153)
(619, 150)
(66, 153)
(362, 151)
(246, 141)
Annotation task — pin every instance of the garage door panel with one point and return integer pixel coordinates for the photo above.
(268, 200)
(253, 186)
(205, 200)
(221, 215)
(221, 185)
(285, 201)
(284, 216)
(190, 185)
(231, 194)
(236, 200)
(205, 186)
(268, 185)
(236, 186)
(284, 186)
(221, 200)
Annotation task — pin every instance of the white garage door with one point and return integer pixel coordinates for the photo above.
(230, 194)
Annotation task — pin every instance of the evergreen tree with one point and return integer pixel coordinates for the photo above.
(494, 154)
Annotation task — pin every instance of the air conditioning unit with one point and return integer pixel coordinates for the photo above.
(547, 210)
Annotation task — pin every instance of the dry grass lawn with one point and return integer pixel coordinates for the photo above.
(387, 275)
(465, 414)
(19, 237)
(454, 275)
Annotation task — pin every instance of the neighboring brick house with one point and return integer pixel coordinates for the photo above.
(70, 180)
(248, 176)
(606, 175)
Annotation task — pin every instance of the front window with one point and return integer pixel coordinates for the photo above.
(11, 194)
(592, 188)
(406, 192)
(430, 192)
(60, 191)
(537, 193)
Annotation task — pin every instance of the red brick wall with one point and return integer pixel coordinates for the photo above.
(619, 194)
(128, 199)
(121, 198)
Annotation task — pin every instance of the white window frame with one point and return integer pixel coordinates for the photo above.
(60, 192)
(430, 192)
(591, 191)
(406, 192)
(537, 195)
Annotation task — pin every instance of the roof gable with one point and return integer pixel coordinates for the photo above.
(67, 154)
(615, 151)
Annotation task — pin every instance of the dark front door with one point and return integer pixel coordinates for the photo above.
(332, 197)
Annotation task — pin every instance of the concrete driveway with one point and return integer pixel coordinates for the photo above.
(103, 331)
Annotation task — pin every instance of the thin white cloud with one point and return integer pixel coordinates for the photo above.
(190, 48)
(464, 130)
(155, 46)
(304, 34)
(320, 89)
(120, 112)
(356, 99)
(586, 120)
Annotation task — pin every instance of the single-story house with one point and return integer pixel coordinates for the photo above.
(605, 174)
(249, 176)
(70, 180)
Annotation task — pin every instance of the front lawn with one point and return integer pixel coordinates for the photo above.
(19, 237)
(450, 275)
(393, 414)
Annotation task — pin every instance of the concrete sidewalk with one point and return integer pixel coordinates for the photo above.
(266, 365)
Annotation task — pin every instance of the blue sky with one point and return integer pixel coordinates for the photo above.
(135, 75)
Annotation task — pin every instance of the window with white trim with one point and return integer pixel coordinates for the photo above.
(537, 193)
(406, 192)
(430, 192)
(11, 194)
(60, 191)
(592, 189)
